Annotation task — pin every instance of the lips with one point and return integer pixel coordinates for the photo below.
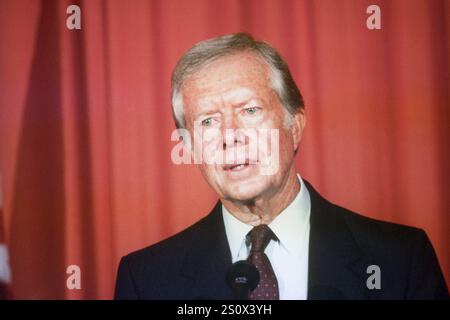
(238, 166)
(235, 167)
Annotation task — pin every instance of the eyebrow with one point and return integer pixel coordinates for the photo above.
(236, 105)
(206, 113)
(242, 103)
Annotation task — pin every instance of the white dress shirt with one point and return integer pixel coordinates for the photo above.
(289, 256)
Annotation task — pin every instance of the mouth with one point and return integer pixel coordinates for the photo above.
(235, 167)
(238, 166)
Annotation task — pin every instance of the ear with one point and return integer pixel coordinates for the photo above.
(297, 127)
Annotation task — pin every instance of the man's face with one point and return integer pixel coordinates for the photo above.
(231, 93)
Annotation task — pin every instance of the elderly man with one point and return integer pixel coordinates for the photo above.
(302, 246)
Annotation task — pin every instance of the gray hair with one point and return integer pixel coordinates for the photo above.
(210, 50)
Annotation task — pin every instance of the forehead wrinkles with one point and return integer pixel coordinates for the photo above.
(221, 77)
(227, 97)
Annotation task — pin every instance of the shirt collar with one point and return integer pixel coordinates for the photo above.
(236, 231)
(288, 226)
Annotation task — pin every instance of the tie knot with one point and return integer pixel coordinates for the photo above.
(260, 237)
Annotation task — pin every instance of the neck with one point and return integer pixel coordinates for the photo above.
(265, 208)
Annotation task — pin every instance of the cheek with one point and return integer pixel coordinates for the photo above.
(282, 147)
(286, 140)
(273, 119)
(207, 171)
(211, 145)
(211, 175)
(205, 143)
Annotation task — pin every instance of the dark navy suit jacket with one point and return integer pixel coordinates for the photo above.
(193, 263)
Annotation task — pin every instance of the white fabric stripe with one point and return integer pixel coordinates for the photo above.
(1, 193)
(5, 273)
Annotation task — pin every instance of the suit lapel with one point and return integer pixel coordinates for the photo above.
(336, 265)
(207, 263)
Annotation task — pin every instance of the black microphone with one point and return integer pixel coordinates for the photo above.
(242, 278)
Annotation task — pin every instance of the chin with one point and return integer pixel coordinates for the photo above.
(243, 191)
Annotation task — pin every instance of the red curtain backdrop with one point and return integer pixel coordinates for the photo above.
(85, 123)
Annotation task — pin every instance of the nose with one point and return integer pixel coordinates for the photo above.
(230, 132)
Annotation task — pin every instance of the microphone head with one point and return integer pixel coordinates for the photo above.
(243, 273)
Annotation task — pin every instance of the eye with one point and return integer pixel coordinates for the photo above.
(207, 122)
(251, 110)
